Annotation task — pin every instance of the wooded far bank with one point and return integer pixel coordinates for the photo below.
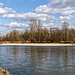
(38, 34)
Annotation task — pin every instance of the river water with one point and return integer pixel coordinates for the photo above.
(22, 60)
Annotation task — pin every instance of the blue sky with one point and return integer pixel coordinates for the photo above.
(16, 14)
(23, 5)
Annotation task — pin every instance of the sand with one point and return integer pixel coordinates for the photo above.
(36, 44)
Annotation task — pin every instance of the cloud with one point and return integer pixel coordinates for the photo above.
(1, 4)
(48, 24)
(45, 12)
(45, 9)
(62, 3)
(66, 17)
(28, 16)
(62, 9)
(73, 24)
(67, 11)
(14, 24)
(6, 10)
(22, 25)
(49, 9)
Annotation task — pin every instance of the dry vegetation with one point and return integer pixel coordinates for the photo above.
(37, 34)
(3, 72)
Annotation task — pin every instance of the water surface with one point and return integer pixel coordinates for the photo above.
(22, 60)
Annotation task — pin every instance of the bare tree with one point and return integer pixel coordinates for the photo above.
(65, 31)
(35, 26)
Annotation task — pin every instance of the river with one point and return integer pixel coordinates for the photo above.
(22, 60)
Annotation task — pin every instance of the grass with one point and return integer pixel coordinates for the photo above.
(3, 72)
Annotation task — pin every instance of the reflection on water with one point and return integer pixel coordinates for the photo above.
(20, 60)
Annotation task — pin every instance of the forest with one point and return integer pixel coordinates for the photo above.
(37, 34)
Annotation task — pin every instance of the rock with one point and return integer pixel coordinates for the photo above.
(3, 72)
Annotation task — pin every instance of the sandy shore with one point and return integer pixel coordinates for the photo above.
(36, 44)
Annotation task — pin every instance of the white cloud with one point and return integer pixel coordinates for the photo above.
(46, 9)
(1, 4)
(63, 3)
(69, 17)
(28, 16)
(67, 11)
(48, 24)
(63, 7)
(14, 24)
(73, 24)
(6, 10)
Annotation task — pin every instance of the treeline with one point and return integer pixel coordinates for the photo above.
(38, 34)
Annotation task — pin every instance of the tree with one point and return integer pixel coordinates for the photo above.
(14, 35)
(39, 29)
(35, 27)
(33, 24)
(72, 35)
(26, 35)
(46, 35)
(53, 34)
(65, 31)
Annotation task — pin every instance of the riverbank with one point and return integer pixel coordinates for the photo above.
(3, 72)
(36, 44)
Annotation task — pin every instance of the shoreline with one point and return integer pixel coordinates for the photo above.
(4, 72)
(36, 44)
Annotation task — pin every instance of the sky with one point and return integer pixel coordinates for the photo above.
(16, 14)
